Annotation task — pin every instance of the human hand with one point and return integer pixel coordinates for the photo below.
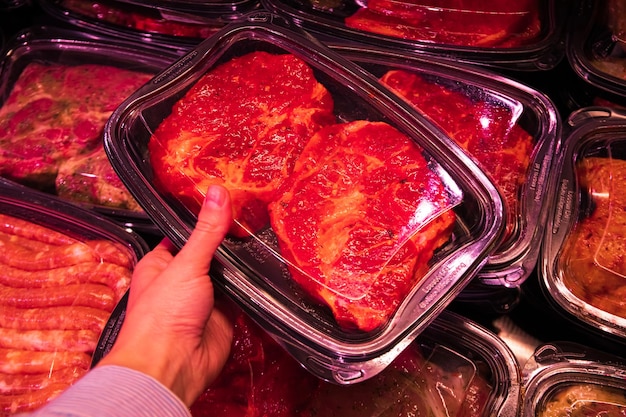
(172, 330)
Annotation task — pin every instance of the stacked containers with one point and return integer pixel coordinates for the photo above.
(250, 265)
(57, 89)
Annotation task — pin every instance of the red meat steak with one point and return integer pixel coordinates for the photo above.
(347, 217)
(459, 22)
(242, 125)
(55, 112)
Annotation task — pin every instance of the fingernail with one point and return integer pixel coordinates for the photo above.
(215, 196)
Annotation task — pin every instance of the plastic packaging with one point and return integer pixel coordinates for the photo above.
(524, 36)
(581, 268)
(510, 129)
(566, 378)
(57, 89)
(174, 25)
(337, 341)
(54, 305)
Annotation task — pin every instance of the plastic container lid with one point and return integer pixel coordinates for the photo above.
(596, 46)
(258, 267)
(511, 130)
(566, 378)
(525, 35)
(163, 23)
(57, 89)
(581, 266)
(455, 366)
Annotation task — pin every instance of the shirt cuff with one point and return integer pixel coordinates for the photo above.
(110, 390)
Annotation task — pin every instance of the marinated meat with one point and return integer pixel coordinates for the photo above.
(359, 220)
(242, 125)
(585, 399)
(460, 22)
(90, 178)
(592, 260)
(55, 112)
(487, 130)
(411, 384)
(140, 18)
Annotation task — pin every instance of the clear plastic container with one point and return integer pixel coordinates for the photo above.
(57, 89)
(527, 36)
(342, 329)
(581, 268)
(55, 305)
(174, 25)
(455, 367)
(596, 46)
(509, 128)
(568, 379)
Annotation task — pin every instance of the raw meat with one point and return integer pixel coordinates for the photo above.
(412, 384)
(592, 260)
(55, 112)
(461, 22)
(487, 130)
(90, 178)
(359, 220)
(242, 125)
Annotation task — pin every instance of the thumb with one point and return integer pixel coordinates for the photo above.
(214, 220)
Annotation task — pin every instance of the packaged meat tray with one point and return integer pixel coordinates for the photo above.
(509, 128)
(581, 267)
(57, 89)
(177, 26)
(596, 49)
(63, 270)
(209, 8)
(570, 379)
(456, 367)
(526, 35)
(356, 219)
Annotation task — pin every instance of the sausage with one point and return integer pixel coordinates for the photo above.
(49, 340)
(11, 404)
(15, 361)
(114, 276)
(21, 383)
(24, 228)
(50, 318)
(86, 295)
(18, 256)
(108, 251)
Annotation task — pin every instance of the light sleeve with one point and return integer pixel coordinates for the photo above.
(114, 391)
